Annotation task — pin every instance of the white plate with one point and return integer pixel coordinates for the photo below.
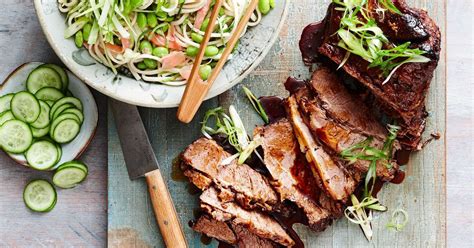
(16, 82)
(252, 49)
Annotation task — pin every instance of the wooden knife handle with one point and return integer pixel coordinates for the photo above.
(165, 212)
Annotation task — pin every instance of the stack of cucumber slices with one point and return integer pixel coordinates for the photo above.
(36, 122)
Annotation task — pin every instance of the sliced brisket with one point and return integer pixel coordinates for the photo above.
(340, 120)
(201, 163)
(337, 182)
(404, 94)
(291, 176)
(257, 223)
(215, 229)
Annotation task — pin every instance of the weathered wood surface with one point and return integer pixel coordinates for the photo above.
(423, 195)
(80, 216)
(460, 119)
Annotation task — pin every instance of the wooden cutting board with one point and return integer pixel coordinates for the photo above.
(422, 194)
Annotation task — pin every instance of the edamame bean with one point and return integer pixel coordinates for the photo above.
(192, 51)
(151, 20)
(150, 63)
(196, 37)
(264, 6)
(204, 24)
(211, 51)
(141, 66)
(162, 15)
(78, 39)
(86, 31)
(160, 51)
(145, 47)
(141, 20)
(205, 71)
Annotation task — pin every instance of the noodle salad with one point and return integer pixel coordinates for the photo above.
(155, 40)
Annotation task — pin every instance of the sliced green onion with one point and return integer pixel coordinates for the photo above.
(395, 223)
(256, 105)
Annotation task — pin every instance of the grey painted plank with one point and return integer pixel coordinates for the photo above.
(422, 194)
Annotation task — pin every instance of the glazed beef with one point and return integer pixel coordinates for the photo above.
(335, 179)
(290, 173)
(403, 95)
(201, 163)
(257, 223)
(339, 120)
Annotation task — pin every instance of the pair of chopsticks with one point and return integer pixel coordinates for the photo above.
(197, 89)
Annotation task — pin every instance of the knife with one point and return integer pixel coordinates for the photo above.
(141, 162)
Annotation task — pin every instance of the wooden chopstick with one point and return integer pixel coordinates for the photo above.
(196, 89)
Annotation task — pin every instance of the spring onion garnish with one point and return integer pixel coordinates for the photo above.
(256, 105)
(361, 212)
(361, 36)
(398, 220)
(234, 129)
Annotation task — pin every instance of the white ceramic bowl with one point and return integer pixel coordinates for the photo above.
(16, 82)
(252, 49)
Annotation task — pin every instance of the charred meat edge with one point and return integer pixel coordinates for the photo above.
(201, 163)
(403, 96)
(335, 180)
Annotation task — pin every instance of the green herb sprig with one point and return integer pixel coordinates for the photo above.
(361, 36)
(256, 105)
(357, 213)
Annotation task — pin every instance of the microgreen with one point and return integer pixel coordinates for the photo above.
(361, 36)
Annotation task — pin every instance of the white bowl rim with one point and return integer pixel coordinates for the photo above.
(110, 93)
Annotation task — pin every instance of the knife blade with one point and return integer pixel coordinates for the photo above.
(141, 161)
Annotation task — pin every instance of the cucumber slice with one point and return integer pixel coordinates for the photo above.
(61, 118)
(39, 133)
(40, 196)
(62, 73)
(42, 155)
(60, 152)
(6, 116)
(43, 77)
(43, 119)
(5, 102)
(59, 110)
(65, 131)
(25, 107)
(75, 164)
(50, 103)
(49, 94)
(69, 177)
(71, 100)
(15, 136)
(76, 112)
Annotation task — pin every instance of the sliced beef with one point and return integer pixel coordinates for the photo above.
(246, 239)
(257, 223)
(291, 175)
(232, 234)
(339, 120)
(403, 95)
(201, 163)
(337, 182)
(215, 229)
